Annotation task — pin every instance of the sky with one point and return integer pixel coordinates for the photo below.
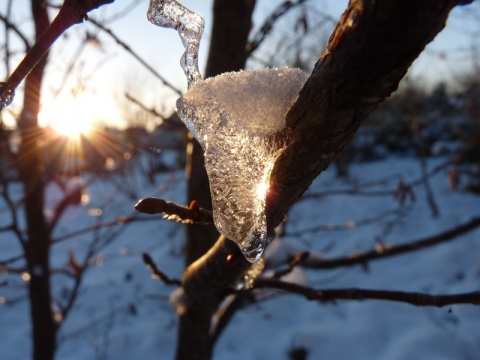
(102, 74)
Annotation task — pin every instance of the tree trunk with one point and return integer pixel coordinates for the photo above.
(32, 176)
(231, 26)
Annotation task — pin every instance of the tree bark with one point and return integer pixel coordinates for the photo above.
(32, 176)
(231, 26)
(369, 52)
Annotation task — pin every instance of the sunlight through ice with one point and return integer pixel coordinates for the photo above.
(239, 119)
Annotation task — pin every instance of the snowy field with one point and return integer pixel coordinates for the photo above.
(123, 314)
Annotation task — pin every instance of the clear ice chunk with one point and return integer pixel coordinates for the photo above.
(239, 119)
(189, 25)
(7, 92)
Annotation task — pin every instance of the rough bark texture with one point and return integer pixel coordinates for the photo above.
(231, 26)
(369, 52)
(31, 174)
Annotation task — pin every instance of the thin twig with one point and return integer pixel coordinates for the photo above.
(348, 225)
(297, 260)
(188, 215)
(144, 107)
(387, 251)
(228, 310)
(329, 295)
(16, 30)
(267, 26)
(136, 56)
(157, 273)
(13, 211)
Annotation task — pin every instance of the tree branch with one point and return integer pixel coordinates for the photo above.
(369, 52)
(157, 273)
(267, 26)
(135, 55)
(328, 295)
(388, 251)
(144, 107)
(188, 215)
(16, 30)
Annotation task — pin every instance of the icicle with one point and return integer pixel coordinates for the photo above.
(189, 25)
(7, 92)
(239, 119)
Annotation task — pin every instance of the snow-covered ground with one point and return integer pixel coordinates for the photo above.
(123, 314)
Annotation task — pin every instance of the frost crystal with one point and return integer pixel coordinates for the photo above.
(239, 119)
(189, 25)
(7, 92)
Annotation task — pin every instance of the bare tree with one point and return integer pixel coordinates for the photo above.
(367, 55)
(30, 164)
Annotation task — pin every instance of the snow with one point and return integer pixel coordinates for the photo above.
(123, 314)
(239, 119)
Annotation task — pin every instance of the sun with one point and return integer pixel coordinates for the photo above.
(73, 116)
(71, 127)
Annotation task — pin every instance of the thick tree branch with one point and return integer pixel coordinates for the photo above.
(369, 52)
(329, 295)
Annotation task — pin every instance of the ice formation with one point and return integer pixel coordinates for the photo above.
(239, 119)
(189, 25)
(7, 92)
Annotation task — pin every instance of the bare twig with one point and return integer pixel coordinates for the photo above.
(136, 56)
(13, 211)
(11, 260)
(188, 215)
(157, 273)
(144, 107)
(387, 251)
(16, 30)
(297, 260)
(7, 38)
(267, 26)
(72, 197)
(328, 295)
(228, 310)
(348, 225)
